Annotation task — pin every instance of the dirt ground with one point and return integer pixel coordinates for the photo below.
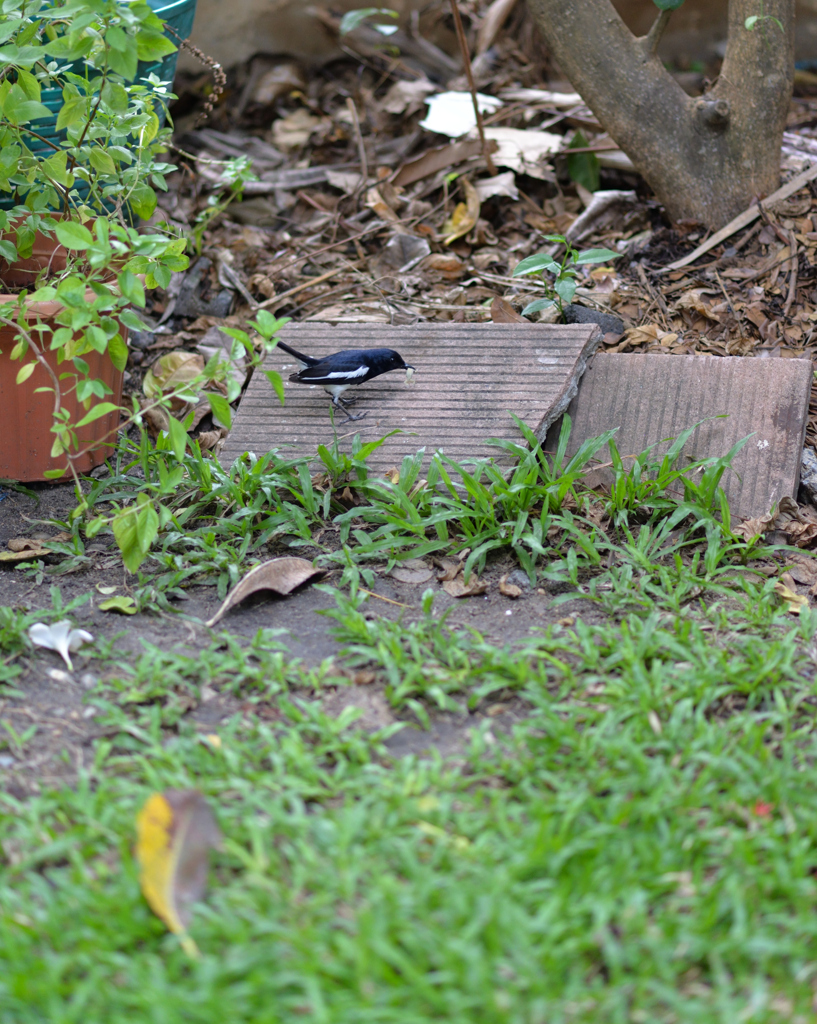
(58, 702)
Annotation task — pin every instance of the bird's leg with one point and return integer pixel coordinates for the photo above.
(342, 404)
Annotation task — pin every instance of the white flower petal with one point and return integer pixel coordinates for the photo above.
(59, 637)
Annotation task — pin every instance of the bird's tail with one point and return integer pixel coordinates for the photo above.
(306, 360)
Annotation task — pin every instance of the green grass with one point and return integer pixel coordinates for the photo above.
(640, 847)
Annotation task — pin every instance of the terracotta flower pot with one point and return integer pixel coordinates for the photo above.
(26, 417)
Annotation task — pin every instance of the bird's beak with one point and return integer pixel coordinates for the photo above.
(412, 368)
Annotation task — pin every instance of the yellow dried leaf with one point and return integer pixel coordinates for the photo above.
(793, 600)
(175, 831)
(465, 214)
(172, 371)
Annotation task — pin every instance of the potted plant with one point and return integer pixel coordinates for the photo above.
(73, 184)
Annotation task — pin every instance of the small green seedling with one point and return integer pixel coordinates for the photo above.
(564, 287)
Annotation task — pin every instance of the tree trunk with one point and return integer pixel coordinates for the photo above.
(705, 157)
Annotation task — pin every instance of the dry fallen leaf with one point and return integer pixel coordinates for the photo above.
(292, 132)
(648, 333)
(459, 588)
(281, 575)
(793, 600)
(465, 214)
(693, 301)
(447, 264)
(509, 589)
(175, 831)
(413, 570)
(24, 554)
(502, 312)
(756, 527)
(173, 370)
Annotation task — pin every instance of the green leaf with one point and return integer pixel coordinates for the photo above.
(25, 372)
(565, 289)
(131, 287)
(118, 352)
(122, 603)
(143, 201)
(56, 168)
(29, 84)
(74, 109)
(536, 305)
(151, 46)
(101, 162)
(221, 410)
(54, 474)
(96, 413)
(74, 235)
(135, 529)
(597, 256)
(18, 109)
(267, 325)
(130, 320)
(535, 264)
(583, 168)
(352, 19)
(178, 437)
(124, 61)
(277, 384)
(8, 250)
(115, 97)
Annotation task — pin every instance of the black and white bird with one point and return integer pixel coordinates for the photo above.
(344, 369)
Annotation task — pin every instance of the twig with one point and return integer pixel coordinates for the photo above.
(276, 299)
(379, 597)
(793, 278)
(653, 37)
(466, 60)
(744, 219)
(361, 148)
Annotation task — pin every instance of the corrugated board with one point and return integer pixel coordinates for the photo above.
(651, 397)
(469, 378)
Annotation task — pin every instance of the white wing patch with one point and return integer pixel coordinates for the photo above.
(361, 371)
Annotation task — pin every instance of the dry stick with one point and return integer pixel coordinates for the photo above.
(653, 37)
(466, 60)
(745, 218)
(361, 148)
(304, 284)
(793, 278)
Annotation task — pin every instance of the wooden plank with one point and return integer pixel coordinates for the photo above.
(651, 398)
(469, 378)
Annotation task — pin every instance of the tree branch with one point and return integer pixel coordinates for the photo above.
(651, 40)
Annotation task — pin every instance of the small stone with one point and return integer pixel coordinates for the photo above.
(6, 761)
(609, 324)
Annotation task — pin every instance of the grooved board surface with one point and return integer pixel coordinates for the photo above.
(651, 398)
(469, 377)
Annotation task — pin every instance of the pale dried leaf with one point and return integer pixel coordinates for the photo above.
(459, 588)
(172, 371)
(465, 214)
(407, 97)
(794, 601)
(414, 570)
(502, 312)
(509, 589)
(281, 575)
